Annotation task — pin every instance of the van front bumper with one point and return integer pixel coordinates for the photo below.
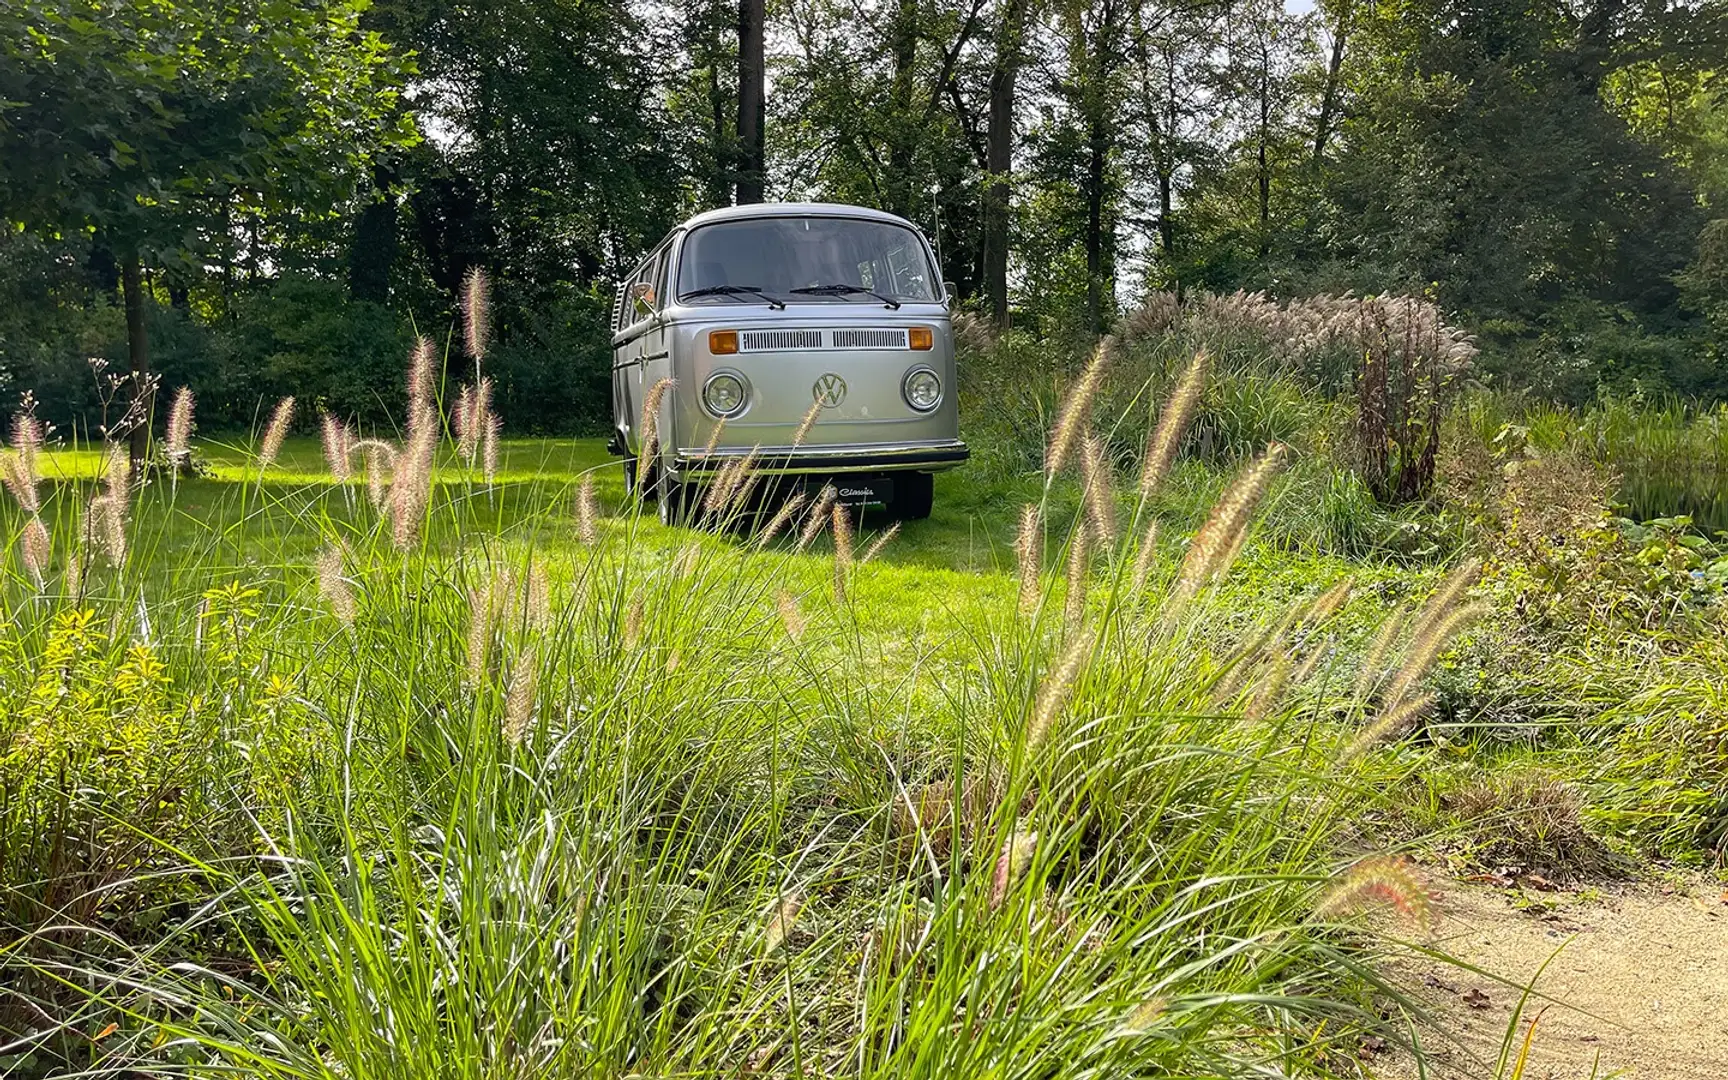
(923, 456)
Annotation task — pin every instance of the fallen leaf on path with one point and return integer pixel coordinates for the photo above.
(1476, 999)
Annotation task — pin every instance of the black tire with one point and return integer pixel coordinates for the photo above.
(914, 494)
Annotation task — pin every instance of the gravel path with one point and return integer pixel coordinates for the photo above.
(1640, 988)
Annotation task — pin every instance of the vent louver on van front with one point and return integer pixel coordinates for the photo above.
(773, 340)
(869, 339)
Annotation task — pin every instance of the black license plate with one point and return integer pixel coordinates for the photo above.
(863, 492)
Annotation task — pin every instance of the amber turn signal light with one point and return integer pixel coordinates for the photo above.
(722, 342)
(921, 339)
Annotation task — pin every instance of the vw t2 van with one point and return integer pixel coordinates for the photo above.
(761, 313)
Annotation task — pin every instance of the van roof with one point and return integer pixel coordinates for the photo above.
(799, 209)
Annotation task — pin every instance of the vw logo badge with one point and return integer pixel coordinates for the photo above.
(830, 390)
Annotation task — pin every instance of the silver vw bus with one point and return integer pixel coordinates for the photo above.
(760, 312)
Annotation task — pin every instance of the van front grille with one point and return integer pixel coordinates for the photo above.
(777, 340)
(869, 339)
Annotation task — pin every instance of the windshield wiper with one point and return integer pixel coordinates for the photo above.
(735, 291)
(843, 289)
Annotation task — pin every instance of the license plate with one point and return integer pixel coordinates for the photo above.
(863, 492)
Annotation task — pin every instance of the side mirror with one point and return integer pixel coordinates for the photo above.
(642, 297)
(948, 292)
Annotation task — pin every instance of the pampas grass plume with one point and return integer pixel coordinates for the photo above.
(1221, 537)
(1074, 606)
(650, 427)
(781, 517)
(1053, 695)
(335, 435)
(1378, 879)
(38, 548)
(1100, 500)
(879, 543)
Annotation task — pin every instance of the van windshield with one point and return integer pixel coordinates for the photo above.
(781, 255)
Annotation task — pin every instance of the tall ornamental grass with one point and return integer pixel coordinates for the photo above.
(581, 796)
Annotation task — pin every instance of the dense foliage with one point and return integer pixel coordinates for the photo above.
(1553, 180)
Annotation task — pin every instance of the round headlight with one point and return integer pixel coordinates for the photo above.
(922, 389)
(723, 394)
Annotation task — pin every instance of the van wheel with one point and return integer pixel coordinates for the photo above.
(914, 493)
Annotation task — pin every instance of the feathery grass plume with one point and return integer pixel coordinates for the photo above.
(1076, 407)
(714, 434)
(411, 482)
(1142, 1018)
(780, 920)
(818, 517)
(587, 512)
(464, 422)
(74, 574)
(781, 517)
(1426, 646)
(1446, 596)
(532, 605)
(117, 474)
(1391, 724)
(790, 616)
(489, 447)
(689, 557)
(1143, 557)
(1174, 419)
(422, 377)
(732, 489)
(1053, 694)
(1378, 650)
(20, 480)
(842, 549)
(476, 312)
(1271, 688)
(1011, 864)
(275, 432)
(482, 624)
(879, 543)
(178, 441)
(650, 427)
(1074, 604)
(634, 620)
(107, 521)
(335, 435)
(380, 458)
(27, 436)
(519, 697)
(38, 548)
(720, 490)
(1378, 879)
(1029, 555)
(333, 586)
(1328, 603)
(1100, 500)
(1220, 538)
(1307, 667)
(804, 425)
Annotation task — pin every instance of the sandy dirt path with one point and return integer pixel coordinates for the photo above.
(1641, 985)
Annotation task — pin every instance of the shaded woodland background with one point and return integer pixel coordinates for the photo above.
(293, 190)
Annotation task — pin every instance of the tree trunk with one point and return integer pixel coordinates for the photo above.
(1098, 147)
(999, 160)
(138, 355)
(752, 110)
(1265, 168)
(900, 183)
(1329, 95)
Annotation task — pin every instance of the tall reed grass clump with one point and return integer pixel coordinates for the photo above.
(581, 796)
